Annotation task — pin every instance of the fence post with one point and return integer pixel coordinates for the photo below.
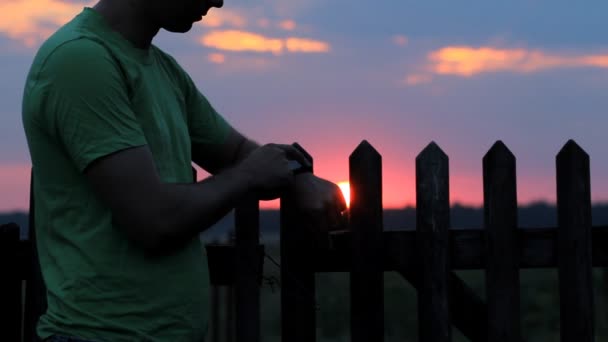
(501, 244)
(214, 320)
(35, 292)
(574, 244)
(248, 272)
(10, 284)
(432, 223)
(367, 276)
(229, 313)
(298, 298)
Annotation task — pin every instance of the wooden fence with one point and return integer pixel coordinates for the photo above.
(426, 257)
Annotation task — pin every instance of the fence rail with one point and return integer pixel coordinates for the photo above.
(426, 257)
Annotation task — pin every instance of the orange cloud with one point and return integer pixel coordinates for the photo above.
(306, 45)
(240, 41)
(224, 17)
(31, 22)
(468, 61)
(233, 40)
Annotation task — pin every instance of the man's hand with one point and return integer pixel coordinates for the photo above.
(267, 169)
(321, 201)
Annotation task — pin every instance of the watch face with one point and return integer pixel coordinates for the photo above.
(298, 168)
(294, 165)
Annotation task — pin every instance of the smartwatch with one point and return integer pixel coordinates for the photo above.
(295, 165)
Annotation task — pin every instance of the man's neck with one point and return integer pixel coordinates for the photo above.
(128, 20)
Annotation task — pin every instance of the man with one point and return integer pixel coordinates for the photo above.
(113, 124)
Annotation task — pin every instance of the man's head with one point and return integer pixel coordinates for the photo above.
(178, 15)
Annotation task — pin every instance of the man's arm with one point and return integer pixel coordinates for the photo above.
(232, 151)
(162, 217)
(235, 149)
(317, 197)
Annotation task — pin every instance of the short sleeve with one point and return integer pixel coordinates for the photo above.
(206, 126)
(87, 107)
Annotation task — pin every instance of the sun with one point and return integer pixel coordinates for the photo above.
(345, 187)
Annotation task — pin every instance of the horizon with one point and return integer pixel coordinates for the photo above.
(331, 74)
(453, 206)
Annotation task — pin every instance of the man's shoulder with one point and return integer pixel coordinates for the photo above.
(67, 54)
(71, 39)
(69, 50)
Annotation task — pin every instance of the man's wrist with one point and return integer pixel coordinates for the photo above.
(245, 178)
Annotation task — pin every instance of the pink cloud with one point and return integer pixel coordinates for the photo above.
(287, 25)
(416, 79)
(216, 58)
(400, 40)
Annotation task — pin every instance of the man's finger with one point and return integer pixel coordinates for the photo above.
(294, 154)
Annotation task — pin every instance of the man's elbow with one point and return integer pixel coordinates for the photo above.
(148, 233)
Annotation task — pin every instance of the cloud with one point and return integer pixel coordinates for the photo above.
(233, 40)
(468, 61)
(216, 58)
(416, 79)
(241, 41)
(600, 61)
(242, 63)
(287, 25)
(306, 45)
(31, 22)
(263, 23)
(241, 18)
(224, 17)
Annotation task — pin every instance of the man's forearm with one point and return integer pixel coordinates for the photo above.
(188, 209)
(192, 208)
(162, 216)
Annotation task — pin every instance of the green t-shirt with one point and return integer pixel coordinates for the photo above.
(91, 93)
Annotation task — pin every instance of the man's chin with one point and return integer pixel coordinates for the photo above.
(179, 28)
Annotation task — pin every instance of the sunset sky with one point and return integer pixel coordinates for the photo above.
(397, 73)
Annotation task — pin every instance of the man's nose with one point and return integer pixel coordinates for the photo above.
(216, 3)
